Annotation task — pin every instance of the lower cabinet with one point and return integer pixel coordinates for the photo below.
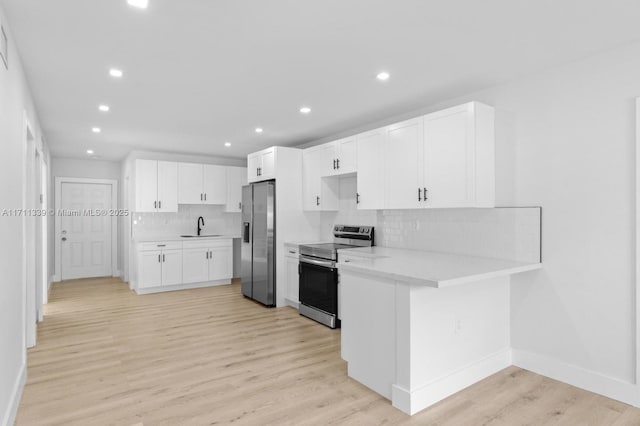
(292, 262)
(174, 263)
(159, 264)
(208, 260)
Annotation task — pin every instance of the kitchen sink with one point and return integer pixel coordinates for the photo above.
(200, 236)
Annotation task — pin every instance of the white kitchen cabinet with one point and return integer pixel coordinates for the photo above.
(402, 153)
(221, 262)
(458, 158)
(156, 186)
(215, 184)
(236, 179)
(195, 265)
(159, 264)
(293, 278)
(346, 155)
(150, 269)
(202, 184)
(444, 159)
(370, 170)
(261, 165)
(207, 260)
(318, 193)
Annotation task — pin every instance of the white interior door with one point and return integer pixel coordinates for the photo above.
(85, 247)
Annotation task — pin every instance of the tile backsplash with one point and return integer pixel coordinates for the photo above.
(147, 226)
(505, 233)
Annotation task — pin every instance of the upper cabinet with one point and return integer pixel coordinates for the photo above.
(261, 165)
(156, 186)
(444, 159)
(402, 150)
(370, 170)
(236, 179)
(318, 193)
(202, 184)
(458, 168)
(346, 155)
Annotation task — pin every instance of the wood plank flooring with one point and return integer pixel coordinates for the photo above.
(106, 356)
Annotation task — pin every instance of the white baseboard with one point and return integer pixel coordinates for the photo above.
(592, 381)
(422, 397)
(292, 303)
(56, 279)
(9, 417)
(116, 274)
(151, 290)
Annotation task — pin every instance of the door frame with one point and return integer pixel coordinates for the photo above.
(58, 221)
(29, 279)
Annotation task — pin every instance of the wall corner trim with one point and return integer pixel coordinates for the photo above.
(589, 380)
(9, 417)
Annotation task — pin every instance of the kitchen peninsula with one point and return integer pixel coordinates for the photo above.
(418, 326)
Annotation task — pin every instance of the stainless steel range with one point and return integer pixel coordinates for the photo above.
(319, 274)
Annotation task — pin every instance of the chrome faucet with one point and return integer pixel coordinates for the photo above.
(200, 219)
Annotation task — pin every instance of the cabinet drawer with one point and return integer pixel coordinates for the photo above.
(160, 245)
(207, 243)
(291, 251)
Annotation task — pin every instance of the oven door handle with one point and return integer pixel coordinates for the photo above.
(325, 263)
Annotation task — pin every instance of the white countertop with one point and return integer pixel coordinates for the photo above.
(428, 268)
(179, 238)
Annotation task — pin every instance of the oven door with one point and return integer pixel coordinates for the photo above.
(319, 284)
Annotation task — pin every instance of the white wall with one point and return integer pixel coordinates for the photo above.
(80, 168)
(15, 101)
(565, 141)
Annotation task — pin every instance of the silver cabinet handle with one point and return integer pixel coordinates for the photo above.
(425, 194)
(338, 163)
(163, 259)
(159, 258)
(159, 204)
(155, 204)
(419, 194)
(205, 196)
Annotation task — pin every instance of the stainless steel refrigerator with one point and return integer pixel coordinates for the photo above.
(258, 242)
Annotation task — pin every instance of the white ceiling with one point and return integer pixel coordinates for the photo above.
(202, 72)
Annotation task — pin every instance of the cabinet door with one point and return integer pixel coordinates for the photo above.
(370, 165)
(402, 154)
(171, 267)
(149, 269)
(292, 279)
(311, 164)
(190, 177)
(195, 265)
(146, 185)
(448, 162)
(221, 263)
(236, 179)
(215, 184)
(268, 167)
(254, 162)
(326, 157)
(167, 186)
(347, 155)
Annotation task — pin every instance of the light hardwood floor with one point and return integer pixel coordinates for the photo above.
(208, 356)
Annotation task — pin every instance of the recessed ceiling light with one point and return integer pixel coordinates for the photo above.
(227, 144)
(90, 152)
(305, 110)
(104, 108)
(96, 129)
(141, 4)
(383, 76)
(259, 130)
(114, 72)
